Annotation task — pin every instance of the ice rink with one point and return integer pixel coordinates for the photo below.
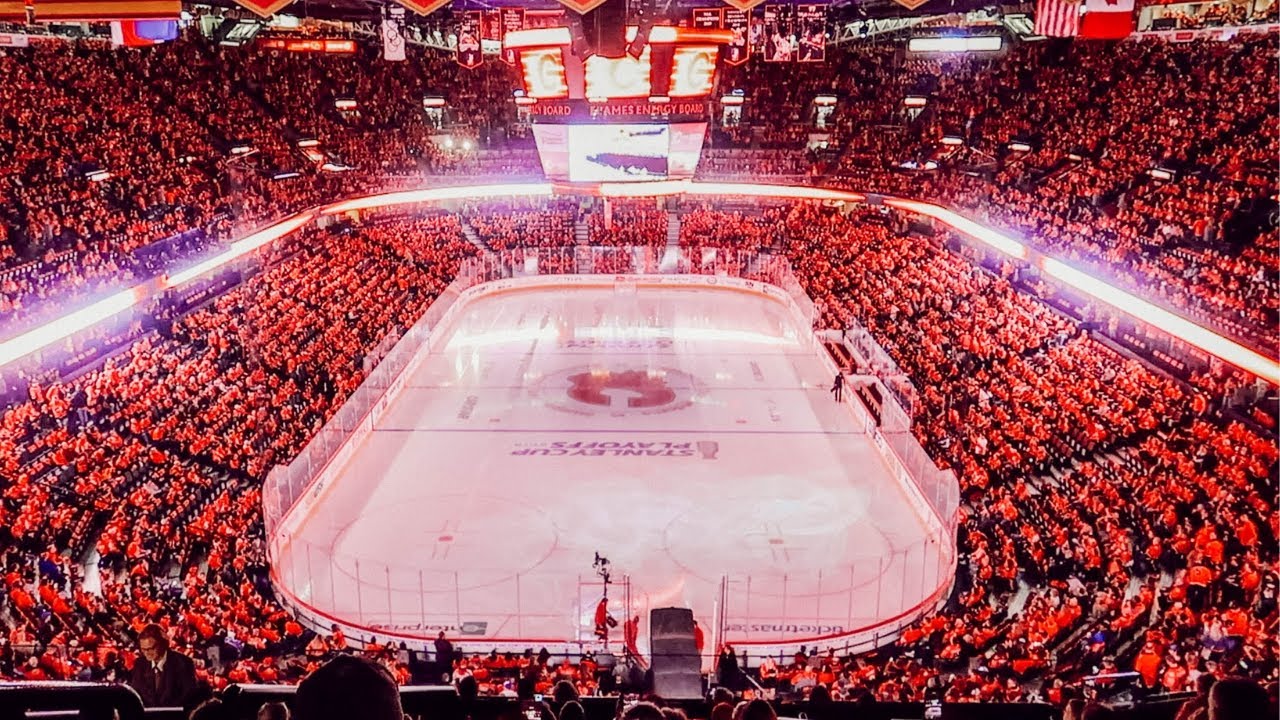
(686, 434)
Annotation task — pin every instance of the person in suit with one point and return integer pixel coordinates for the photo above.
(444, 655)
(163, 677)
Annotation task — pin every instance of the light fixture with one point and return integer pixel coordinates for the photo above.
(952, 140)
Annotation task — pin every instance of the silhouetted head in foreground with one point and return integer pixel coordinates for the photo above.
(642, 711)
(348, 687)
(1237, 698)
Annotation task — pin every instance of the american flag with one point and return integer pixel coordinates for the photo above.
(1058, 18)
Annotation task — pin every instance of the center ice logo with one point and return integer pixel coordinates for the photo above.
(584, 390)
(632, 388)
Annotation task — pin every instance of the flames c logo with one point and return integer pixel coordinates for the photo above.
(631, 389)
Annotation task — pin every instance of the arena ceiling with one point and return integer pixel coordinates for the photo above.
(842, 11)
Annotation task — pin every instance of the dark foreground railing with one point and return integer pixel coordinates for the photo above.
(100, 701)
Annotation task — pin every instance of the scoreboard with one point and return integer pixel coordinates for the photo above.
(631, 118)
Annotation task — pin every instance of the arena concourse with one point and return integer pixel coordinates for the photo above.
(360, 358)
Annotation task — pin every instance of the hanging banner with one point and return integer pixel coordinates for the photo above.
(512, 21)
(263, 8)
(911, 4)
(707, 18)
(422, 7)
(491, 25)
(744, 4)
(811, 33)
(582, 7)
(739, 21)
(104, 10)
(393, 34)
(469, 55)
(755, 33)
(779, 33)
(13, 11)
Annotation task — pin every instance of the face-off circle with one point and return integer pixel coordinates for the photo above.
(618, 392)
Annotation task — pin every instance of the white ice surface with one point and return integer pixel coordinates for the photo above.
(483, 493)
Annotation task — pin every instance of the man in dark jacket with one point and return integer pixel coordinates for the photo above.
(444, 657)
(163, 677)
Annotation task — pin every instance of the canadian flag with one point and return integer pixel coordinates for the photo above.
(1107, 19)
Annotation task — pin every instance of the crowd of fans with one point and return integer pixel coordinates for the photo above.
(220, 124)
(1101, 497)
(1113, 519)
(1091, 122)
(156, 459)
(540, 224)
(638, 222)
(1094, 485)
(202, 142)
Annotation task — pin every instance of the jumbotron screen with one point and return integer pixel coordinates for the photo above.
(681, 63)
(619, 152)
(616, 119)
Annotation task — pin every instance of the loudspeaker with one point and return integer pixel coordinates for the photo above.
(677, 669)
(606, 28)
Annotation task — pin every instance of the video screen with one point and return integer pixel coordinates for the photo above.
(684, 71)
(553, 150)
(624, 77)
(544, 73)
(612, 153)
(619, 152)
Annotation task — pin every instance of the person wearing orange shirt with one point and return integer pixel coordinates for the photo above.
(1199, 579)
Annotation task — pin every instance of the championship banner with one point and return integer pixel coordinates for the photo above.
(512, 20)
(707, 18)
(393, 34)
(811, 32)
(911, 4)
(755, 33)
(744, 4)
(779, 33)
(104, 10)
(739, 21)
(469, 55)
(14, 11)
(491, 25)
